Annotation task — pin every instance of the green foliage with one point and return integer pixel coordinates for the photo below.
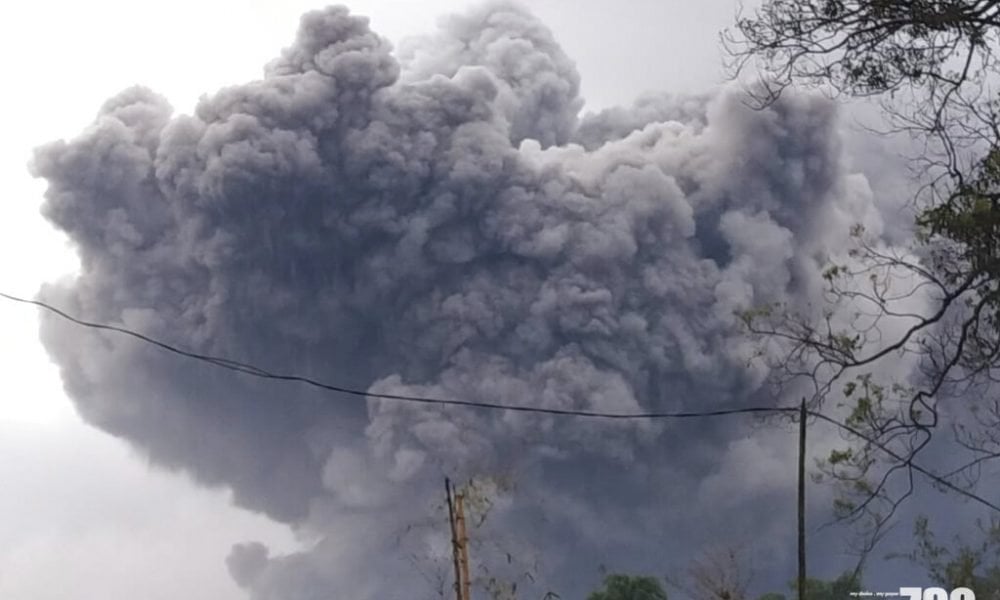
(839, 456)
(834, 271)
(763, 312)
(963, 232)
(629, 587)
(930, 62)
(820, 589)
(976, 567)
(836, 589)
(843, 507)
(970, 218)
(869, 400)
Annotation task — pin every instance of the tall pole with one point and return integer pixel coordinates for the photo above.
(463, 546)
(454, 540)
(802, 500)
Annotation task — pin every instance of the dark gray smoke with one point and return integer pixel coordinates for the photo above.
(442, 223)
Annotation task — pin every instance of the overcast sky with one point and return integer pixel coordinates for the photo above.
(84, 516)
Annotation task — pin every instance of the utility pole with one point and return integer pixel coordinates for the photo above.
(802, 500)
(459, 542)
(463, 546)
(454, 539)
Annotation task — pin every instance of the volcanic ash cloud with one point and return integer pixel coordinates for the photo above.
(441, 222)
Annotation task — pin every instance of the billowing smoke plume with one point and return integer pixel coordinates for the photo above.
(442, 222)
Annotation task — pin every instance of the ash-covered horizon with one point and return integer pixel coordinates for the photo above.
(442, 221)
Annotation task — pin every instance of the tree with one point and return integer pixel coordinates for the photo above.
(502, 567)
(837, 589)
(719, 573)
(935, 55)
(976, 567)
(929, 63)
(629, 587)
(819, 589)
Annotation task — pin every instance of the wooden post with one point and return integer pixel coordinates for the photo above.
(463, 546)
(802, 500)
(454, 540)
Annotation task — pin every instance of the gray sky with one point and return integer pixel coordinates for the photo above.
(86, 504)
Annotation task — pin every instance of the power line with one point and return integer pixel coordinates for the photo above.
(255, 371)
